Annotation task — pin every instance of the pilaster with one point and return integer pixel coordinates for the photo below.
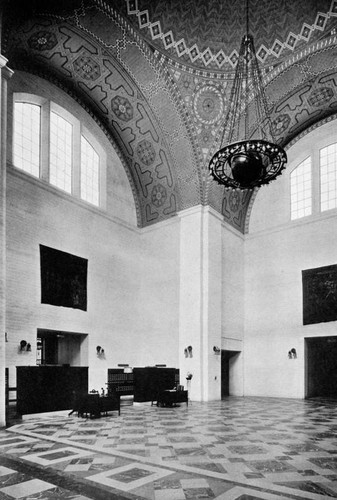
(200, 302)
(6, 73)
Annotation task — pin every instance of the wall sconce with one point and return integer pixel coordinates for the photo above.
(24, 346)
(100, 351)
(216, 350)
(292, 354)
(188, 352)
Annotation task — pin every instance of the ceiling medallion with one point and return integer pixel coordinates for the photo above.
(248, 160)
(208, 104)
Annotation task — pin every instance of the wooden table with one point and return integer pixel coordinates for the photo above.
(94, 405)
(172, 398)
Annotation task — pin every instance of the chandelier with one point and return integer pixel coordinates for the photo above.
(253, 161)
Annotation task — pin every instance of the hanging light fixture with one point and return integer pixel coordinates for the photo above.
(254, 161)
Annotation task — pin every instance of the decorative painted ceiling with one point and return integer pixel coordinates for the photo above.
(157, 77)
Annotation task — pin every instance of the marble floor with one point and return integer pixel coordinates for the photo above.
(235, 449)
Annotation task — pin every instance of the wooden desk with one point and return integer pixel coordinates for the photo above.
(94, 405)
(172, 398)
(110, 403)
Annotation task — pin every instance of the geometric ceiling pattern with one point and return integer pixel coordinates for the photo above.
(183, 28)
(156, 76)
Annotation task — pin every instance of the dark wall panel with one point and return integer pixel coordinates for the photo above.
(63, 279)
(319, 294)
(49, 388)
(148, 382)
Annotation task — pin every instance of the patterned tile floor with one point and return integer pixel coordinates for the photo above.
(235, 449)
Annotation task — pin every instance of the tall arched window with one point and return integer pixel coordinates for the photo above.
(27, 131)
(50, 143)
(61, 152)
(328, 177)
(89, 172)
(301, 190)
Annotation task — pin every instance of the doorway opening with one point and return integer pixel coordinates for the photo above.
(61, 348)
(321, 367)
(228, 362)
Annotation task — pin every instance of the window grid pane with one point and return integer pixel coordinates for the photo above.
(328, 177)
(300, 190)
(26, 144)
(89, 173)
(60, 152)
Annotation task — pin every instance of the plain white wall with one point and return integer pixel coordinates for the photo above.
(276, 251)
(37, 215)
(232, 285)
(157, 303)
(233, 314)
(132, 280)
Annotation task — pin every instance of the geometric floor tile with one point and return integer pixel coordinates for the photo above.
(236, 449)
(170, 494)
(17, 450)
(4, 471)
(242, 493)
(52, 457)
(311, 486)
(130, 476)
(27, 488)
(104, 460)
(78, 467)
(199, 493)
(270, 466)
(194, 483)
(15, 441)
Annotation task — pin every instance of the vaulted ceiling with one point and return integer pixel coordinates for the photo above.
(157, 76)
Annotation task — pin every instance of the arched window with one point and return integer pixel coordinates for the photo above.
(301, 190)
(60, 152)
(27, 130)
(89, 172)
(50, 143)
(328, 177)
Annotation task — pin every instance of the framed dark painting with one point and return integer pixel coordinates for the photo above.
(63, 279)
(319, 295)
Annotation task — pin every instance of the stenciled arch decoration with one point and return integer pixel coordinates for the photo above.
(99, 82)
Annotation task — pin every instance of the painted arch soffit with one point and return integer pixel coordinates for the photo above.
(99, 61)
(166, 116)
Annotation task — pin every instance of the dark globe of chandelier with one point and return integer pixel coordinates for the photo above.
(246, 167)
(248, 164)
